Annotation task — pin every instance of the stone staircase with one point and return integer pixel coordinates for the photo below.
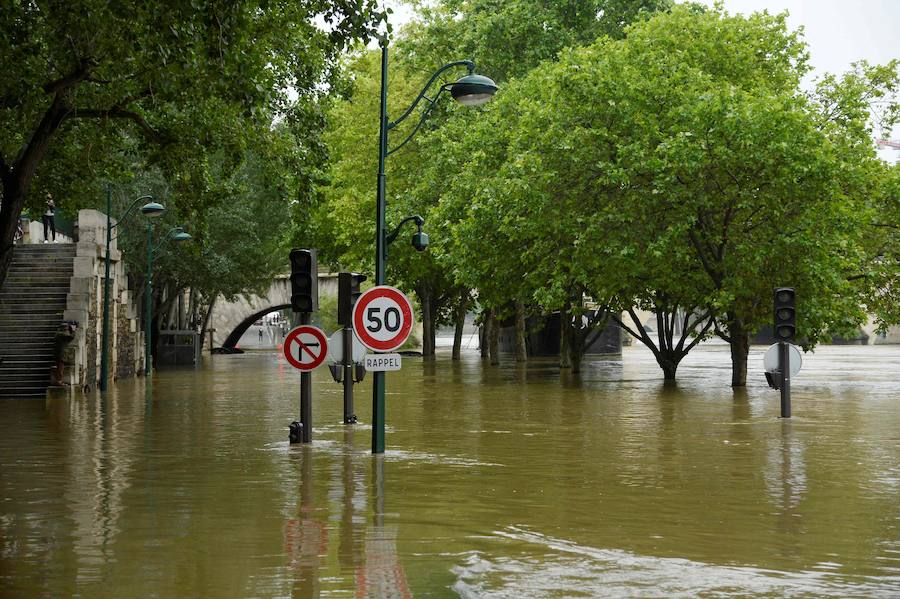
(32, 301)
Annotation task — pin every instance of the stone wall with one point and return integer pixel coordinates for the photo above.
(227, 316)
(85, 306)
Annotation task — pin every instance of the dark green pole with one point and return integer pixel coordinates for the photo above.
(784, 364)
(380, 255)
(104, 352)
(148, 327)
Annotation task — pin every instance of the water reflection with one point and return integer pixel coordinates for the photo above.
(497, 482)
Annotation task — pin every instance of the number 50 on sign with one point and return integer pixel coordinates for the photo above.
(383, 318)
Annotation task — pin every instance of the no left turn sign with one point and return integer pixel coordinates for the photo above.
(383, 318)
(305, 347)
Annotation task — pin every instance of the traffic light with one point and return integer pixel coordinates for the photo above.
(785, 314)
(304, 281)
(348, 293)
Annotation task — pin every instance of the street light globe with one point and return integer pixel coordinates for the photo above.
(152, 210)
(473, 90)
(181, 237)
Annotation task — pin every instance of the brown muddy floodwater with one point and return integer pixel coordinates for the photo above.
(497, 482)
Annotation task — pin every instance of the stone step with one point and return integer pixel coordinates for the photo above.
(40, 348)
(38, 261)
(33, 309)
(44, 255)
(36, 392)
(27, 296)
(55, 301)
(61, 271)
(43, 263)
(18, 377)
(45, 247)
(34, 292)
(9, 321)
(39, 358)
(38, 282)
(29, 330)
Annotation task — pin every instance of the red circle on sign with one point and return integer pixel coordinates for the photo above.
(379, 320)
(317, 354)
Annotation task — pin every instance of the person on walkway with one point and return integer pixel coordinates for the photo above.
(48, 219)
(260, 334)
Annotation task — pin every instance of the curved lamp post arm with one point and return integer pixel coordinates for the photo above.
(130, 208)
(389, 239)
(466, 63)
(169, 235)
(431, 105)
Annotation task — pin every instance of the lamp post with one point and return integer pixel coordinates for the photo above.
(178, 234)
(151, 210)
(469, 90)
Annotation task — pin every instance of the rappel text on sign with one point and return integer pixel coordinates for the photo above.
(381, 362)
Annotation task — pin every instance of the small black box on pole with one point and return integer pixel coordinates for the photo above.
(304, 281)
(348, 292)
(785, 314)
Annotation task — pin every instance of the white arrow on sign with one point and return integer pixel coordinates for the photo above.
(336, 348)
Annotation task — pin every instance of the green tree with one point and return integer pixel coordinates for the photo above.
(693, 130)
(182, 78)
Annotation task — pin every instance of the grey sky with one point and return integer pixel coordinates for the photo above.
(839, 32)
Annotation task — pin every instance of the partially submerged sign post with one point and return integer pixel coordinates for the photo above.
(382, 320)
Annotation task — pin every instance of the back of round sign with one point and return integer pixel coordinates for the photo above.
(795, 359)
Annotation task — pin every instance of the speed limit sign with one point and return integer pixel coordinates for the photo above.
(382, 318)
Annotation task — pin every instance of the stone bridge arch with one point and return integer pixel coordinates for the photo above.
(229, 320)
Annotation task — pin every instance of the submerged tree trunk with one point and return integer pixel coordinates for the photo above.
(461, 310)
(427, 323)
(521, 349)
(565, 328)
(205, 324)
(667, 352)
(494, 342)
(484, 338)
(739, 338)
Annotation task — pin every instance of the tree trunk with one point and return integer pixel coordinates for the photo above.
(9, 217)
(207, 316)
(494, 341)
(669, 367)
(16, 179)
(484, 338)
(740, 348)
(10, 209)
(460, 323)
(521, 349)
(427, 323)
(565, 329)
(577, 338)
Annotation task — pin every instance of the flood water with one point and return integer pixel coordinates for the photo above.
(497, 482)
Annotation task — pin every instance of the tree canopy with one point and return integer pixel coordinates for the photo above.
(175, 82)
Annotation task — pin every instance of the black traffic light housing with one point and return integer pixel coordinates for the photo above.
(348, 292)
(304, 281)
(785, 314)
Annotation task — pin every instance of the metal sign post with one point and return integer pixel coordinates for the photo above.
(306, 395)
(347, 360)
(382, 320)
(783, 366)
(305, 348)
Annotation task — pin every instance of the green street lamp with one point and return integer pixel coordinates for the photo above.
(469, 90)
(150, 210)
(177, 234)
